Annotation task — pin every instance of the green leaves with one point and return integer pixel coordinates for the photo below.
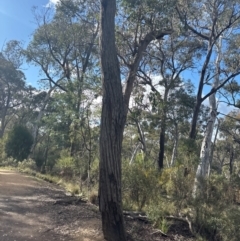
(19, 142)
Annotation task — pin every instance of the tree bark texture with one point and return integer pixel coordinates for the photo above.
(112, 125)
(161, 151)
(196, 111)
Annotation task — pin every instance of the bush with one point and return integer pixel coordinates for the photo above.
(167, 195)
(176, 186)
(140, 185)
(65, 165)
(2, 151)
(27, 164)
(217, 216)
(19, 142)
(9, 162)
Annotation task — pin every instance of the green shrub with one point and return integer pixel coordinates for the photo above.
(213, 214)
(230, 222)
(140, 185)
(27, 164)
(65, 165)
(19, 142)
(2, 150)
(9, 162)
(217, 216)
(177, 187)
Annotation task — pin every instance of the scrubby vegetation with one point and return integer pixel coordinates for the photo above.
(165, 198)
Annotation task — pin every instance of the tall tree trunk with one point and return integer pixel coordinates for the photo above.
(114, 112)
(205, 154)
(175, 146)
(162, 148)
(2, 122)
(202, 170)
(162, 131)
(112, 126)
(196, 111)
(2, 128)
(141, 136)
(212, 149)
(231, 160)
(199, 100)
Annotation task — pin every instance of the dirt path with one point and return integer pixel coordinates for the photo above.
(32, 209)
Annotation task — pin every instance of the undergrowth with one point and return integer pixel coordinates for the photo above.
(166, 197)
(70, 187)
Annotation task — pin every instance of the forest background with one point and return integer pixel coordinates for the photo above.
(175, 124)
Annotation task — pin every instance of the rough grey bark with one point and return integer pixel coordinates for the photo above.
(112, 125)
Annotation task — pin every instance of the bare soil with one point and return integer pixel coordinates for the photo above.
(34, 210)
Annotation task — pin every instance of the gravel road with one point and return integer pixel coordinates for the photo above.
(34, 210)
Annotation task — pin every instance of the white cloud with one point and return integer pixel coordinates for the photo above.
(225, 109)
(52, 3)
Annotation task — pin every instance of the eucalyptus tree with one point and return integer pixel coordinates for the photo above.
(63, 46)
(214, 23)
(229, 94)
(12, 84)
(136, 117)
(205, 153)
(137, 27)
(146, 112)
(141, 125)
(161, 70)
(58, 128)
(211, 22)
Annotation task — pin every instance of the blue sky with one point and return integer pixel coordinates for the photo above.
(17, 23)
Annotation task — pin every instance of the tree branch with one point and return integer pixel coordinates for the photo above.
(134, 66)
